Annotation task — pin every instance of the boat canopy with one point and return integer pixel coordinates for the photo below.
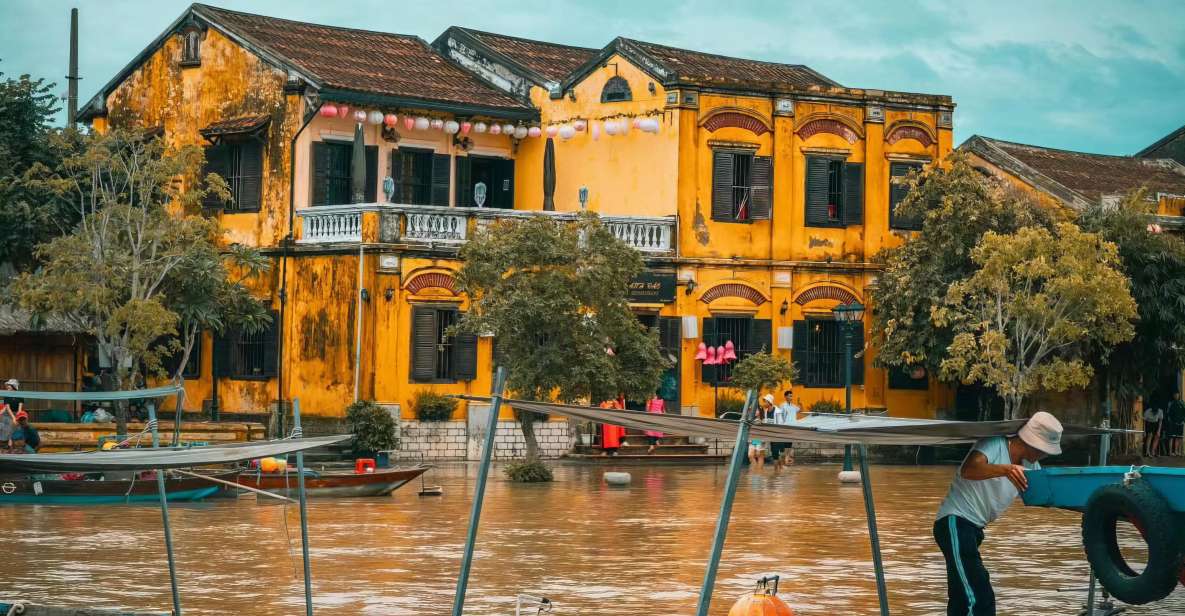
(817, 428)
(101, 396)
(164, 457)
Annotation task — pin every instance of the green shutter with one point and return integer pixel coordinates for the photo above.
(217, 161)
(319, 192)
(722, 170)
(271, 348)
(708, 373)
(853, 194)
(423, 344)
(440, 178)
(372, 174)
(800, 341)
(224, 344)
(761, 180)
(760, 336)
(250, 176)
(396, 172)
(465, 357)
(504, 191)
(858, 359)
(897, 194)
(816, 191)
(464, 181)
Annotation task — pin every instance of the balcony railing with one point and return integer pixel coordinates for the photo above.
(438, 225)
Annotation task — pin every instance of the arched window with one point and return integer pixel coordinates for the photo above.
(191, 50)
(616, 90)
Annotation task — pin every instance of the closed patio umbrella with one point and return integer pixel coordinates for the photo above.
(549, 176)
(358, 166)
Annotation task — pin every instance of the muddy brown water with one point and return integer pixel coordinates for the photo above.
(592, 548)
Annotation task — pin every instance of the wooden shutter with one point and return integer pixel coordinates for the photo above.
(505, 188)
(800, 342)
(271, 349)
(440, 178)
(709, 372)
(465, 357)
(722, 170)
(897, 194)
(372, 174)
(858, 359)
(396, 171)
(250, 175)
(761, 179)
(423, 344)
(853, 194)
(224, 344)
(816, 191)
(320, 161)
(217, 161)
(760, 336)
(464, 181)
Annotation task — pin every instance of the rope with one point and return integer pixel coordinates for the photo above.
(17, 609)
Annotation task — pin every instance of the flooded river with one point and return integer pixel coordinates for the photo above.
(593, 549)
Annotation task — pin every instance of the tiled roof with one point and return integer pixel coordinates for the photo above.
(364, 61)
(14, 320)
(1094, 176)
(551, 60)
(708, 69)
(233, 126)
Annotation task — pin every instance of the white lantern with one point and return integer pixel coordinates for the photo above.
(610, 128)
(520, 132)
(422, 123)
(650, 125)
(359, 116)
(451, 127)
(375, 117)
(436, 124)
(495, 129)
(580, 126)
(623, 127)
(637, 123)
(480, 127)
(595, 131)
(508, 129)
(534, 131)
(567, 132)
(552, 130)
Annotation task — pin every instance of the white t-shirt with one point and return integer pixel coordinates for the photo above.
(1153, 414)
(981, 501)
(786, 413)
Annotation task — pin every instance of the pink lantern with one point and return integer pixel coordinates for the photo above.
(436, 124)
(595, 131)
(343, 111)
(360, 116)
(552, 130)
(534, 131)
(480, 127)
(711, 358)
(329, 110)
(409, 122)
(701, 352)
(580, 125)
(720, 356)
(495, 129)
(730, 353)
(623, 127)
(466, 127)
(637, 123)
(391, 120)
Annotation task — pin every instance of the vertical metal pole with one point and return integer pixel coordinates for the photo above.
(304, 517)
(164, 513)
(480, 491)
(1104, 450)
(870, 511)
(178, 414)
(847, 381)
(730, 487)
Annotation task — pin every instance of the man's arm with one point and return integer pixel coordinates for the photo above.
(976, 468)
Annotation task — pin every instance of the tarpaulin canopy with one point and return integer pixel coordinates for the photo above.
(817, 428)
(170, 457)
(98, 396)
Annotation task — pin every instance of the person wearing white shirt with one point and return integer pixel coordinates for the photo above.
(785, 414)
(1152, 419)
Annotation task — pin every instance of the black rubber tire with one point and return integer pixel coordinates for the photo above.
(1143, 506)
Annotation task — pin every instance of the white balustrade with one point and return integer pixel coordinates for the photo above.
(645, 235)
(330, 226)
(435, 226)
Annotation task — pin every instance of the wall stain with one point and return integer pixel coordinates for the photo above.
(817, 242)
(700, 226)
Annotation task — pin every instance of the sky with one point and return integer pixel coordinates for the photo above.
(1101, 76)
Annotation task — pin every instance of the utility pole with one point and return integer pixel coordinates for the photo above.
(72, 78)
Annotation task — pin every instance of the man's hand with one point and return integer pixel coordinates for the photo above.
(1016, 474)
(976, 468)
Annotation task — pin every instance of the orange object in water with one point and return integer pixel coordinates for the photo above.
(268, 465)
(762, 601)
(364, 465)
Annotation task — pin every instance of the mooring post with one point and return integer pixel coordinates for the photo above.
(870, 511)
(739, 449)
(164, 512)
(304, 516)
(480, 491)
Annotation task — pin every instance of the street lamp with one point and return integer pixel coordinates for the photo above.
(850, 316)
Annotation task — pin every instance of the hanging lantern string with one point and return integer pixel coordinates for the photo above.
(617, 116)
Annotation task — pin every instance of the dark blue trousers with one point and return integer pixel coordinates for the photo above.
(969, 587)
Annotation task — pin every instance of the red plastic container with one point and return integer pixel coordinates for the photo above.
(364, 465)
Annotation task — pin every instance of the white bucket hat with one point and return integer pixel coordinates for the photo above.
(768, 398)
(1043, 432)
(15, 383)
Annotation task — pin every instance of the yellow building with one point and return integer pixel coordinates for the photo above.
(758, 193)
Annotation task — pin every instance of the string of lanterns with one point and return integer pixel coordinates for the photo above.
(620, 124)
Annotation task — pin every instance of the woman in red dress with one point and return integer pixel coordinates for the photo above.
(612, 436)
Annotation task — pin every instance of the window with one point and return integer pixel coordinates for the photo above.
(897, 193)
(904, 378)
(437, 357)
(834, 192)
(240, 354)
(748, 336)
(485, 181)
(616, 90)
(191, 47)
(332, 177)
(421, 177)
(193, 366)
(741, 186)
(240, 163)
(819, 353)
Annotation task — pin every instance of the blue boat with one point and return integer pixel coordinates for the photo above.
(33, 491)
(1071, 487)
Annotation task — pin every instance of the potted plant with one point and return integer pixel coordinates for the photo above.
(431, 406)
(372, 426)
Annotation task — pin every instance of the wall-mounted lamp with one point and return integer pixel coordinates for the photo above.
(785, 307)
(389, 294)
(690, 287)
(365, 295)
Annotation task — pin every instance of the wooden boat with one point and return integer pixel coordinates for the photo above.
(334, 483)
(29, 490)
(28, 609)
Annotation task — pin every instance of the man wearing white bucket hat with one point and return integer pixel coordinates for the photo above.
(989, 480)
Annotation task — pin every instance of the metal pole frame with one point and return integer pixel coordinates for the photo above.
(882, 592)
(847, 382)
(480, 490)
(304, 516)
(730, 487)
(164, 513)
(1104, 450)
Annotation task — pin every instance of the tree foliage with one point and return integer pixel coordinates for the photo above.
(762, 371)
(1027, 317)
(554, 294)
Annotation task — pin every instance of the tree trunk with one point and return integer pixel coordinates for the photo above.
(526, 422)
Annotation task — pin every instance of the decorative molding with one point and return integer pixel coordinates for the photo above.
(826, 292)
(832, 123)
(438, 280)
(875, 114)
(784, 107)
(946, 119)
(733, 289)
(736, 117)
(721, 144)
(910, 129)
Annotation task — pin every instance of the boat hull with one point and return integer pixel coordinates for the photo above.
(27, 491)
(1071, 487)
(334, 484)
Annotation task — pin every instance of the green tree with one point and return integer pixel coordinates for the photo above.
(762, 371)
(554, 295)
(1026, 319)
(128, 273)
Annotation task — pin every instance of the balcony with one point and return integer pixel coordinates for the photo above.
(450, 226)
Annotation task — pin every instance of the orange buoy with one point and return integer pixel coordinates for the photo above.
(268, 465)
(763, 601)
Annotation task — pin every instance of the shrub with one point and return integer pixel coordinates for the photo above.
(372, 426)
(431, 406)
(827, 406)
(528, 472)
(729, 404)
(762, 371)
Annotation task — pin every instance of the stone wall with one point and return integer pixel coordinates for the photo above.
(463, 440)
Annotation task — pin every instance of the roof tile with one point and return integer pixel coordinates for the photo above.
(1097, 175)
(709, 69)
(551, 60)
